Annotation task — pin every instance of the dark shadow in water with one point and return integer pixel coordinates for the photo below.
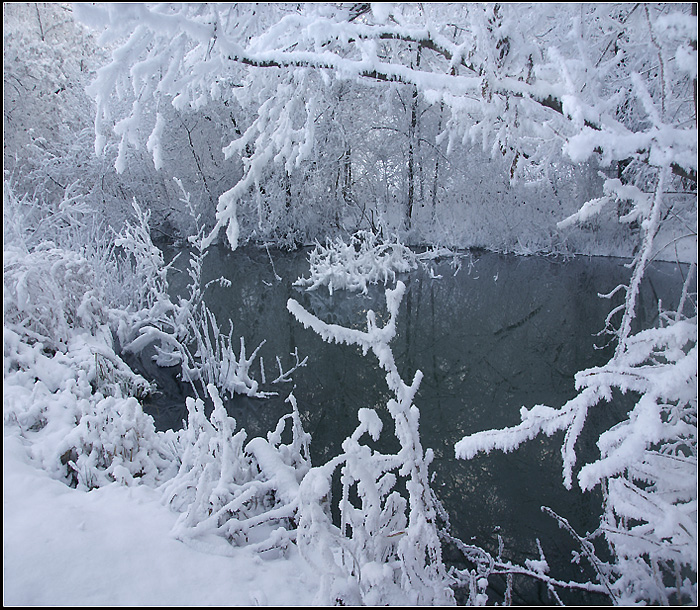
(501, 333)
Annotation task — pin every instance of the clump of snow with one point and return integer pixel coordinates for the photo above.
(381, 11)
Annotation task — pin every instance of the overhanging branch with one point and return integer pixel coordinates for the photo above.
(410, 76)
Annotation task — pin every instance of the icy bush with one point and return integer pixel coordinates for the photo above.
(386, 549)
(49, 293)
(354, 266)
(245, 492)
(78, 412)
(66, 391)
(76, 404)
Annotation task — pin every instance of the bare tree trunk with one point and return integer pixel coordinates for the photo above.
(197, 161)
(347, 175)
(437, 166)
(41, 27)
(412, 142)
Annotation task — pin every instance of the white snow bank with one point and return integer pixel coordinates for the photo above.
(113, 546)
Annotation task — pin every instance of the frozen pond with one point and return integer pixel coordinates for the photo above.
(491, 335)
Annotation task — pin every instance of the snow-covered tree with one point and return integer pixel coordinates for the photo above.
(48, 60)
(464, 74)
(526, 82)
(389, 547)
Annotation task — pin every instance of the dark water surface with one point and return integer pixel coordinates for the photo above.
(492, 335)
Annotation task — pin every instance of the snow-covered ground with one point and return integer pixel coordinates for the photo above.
(113, 546)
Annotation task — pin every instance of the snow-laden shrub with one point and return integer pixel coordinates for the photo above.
(66, 391)
(76, 404)
(387, 547)
(185, 333)
(245, 492)
(366, 260)
(48, 293)
(215, 360)
(359, 560)
(78, 412)
(115, 440)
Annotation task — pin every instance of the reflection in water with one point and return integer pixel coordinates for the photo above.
(500, 333)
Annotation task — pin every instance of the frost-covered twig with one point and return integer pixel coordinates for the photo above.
(588, 550)
(285, 376)
(475, 579)
(391, 546)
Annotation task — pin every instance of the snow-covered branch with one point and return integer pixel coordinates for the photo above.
(390, 546)
(244, 492)
(356, 265)
(647, 462)
(512, 92)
